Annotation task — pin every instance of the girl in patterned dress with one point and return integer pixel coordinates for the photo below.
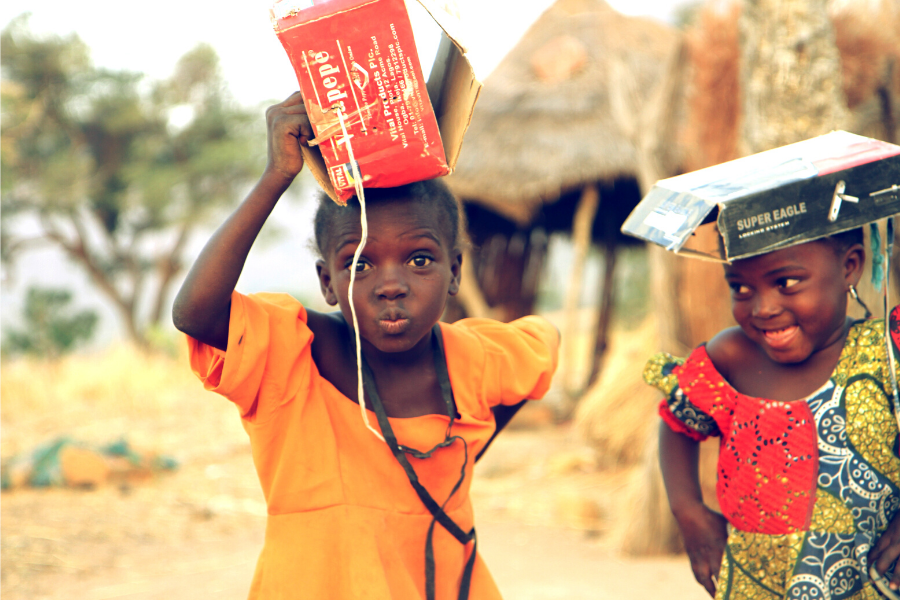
(808, 476)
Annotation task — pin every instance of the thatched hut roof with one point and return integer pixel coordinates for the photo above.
(562, 108)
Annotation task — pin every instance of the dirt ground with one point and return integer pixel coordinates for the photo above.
(544, 506)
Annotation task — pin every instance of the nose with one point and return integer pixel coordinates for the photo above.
(392, 284)
(766, 304)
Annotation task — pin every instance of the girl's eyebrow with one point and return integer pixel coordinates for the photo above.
(789, 268)
(347, 240)
(428, 234)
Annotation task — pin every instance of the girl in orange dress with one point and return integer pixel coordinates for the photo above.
(373, 505)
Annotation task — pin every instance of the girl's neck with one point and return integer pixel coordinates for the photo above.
(752, 372)
(392, 362)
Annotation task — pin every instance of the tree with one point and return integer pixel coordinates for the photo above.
(100, 162)
(791, 73)
(49, 331)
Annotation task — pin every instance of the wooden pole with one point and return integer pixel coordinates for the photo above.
(581, 241)
(607, 297)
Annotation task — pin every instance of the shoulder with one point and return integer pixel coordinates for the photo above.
(331, 337)
(497, 332)
(274, 304)
(730, 349)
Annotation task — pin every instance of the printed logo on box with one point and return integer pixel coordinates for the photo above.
(339, 177)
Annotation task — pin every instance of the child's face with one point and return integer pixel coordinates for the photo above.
(793, 302)
(404, 274)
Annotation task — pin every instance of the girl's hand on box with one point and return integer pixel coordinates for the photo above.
(705, 534)
(886, 550)
(288, 127)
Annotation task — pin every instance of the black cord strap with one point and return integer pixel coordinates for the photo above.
(399, 451)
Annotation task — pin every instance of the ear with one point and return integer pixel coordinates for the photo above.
(854, 263)
(325, 282)
(456, 272)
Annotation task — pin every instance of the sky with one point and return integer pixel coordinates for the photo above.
(150, 37)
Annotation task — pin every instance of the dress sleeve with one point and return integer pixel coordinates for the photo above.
(678, 412)
(519, 358)
(268, 361)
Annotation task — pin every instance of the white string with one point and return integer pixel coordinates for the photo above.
(357, 183)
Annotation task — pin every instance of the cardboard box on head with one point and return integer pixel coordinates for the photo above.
(773, 199)
(358, 58)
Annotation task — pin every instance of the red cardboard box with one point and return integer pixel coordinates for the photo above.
(359, 57)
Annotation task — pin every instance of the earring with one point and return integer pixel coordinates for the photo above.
(855, 295)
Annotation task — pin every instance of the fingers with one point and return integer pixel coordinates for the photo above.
(294, 99)
(290, 117)
(885, 552)
(704, 577)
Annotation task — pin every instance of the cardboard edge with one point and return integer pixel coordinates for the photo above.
(705, 242)
(450, 24)
(700, 255)
(455, 117)
(315, 162)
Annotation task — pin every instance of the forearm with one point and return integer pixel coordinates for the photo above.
(202, 306)
(679, 460)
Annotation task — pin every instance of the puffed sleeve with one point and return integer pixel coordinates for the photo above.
(517, 359)
(678, 412)
(268, 360)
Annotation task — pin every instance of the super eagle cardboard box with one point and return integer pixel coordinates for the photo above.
(773, 199)
(359, 57)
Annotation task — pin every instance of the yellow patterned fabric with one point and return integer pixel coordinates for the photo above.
(856, 490)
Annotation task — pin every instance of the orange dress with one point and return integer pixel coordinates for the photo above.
(343, 519)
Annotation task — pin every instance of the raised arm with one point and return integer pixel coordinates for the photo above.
(203, 305)
(704, 531)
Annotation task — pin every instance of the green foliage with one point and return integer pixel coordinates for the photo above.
(97, 158)
(686, 14)
(50, 329)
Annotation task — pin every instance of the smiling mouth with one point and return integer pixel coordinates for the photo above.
(780, 338)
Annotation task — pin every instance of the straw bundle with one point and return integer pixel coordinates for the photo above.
(644, 522)
(618, 413)
(617, 416)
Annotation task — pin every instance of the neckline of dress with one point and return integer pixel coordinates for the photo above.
(710, 369)
(355, 405)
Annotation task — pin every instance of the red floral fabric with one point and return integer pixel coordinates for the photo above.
(768, 458)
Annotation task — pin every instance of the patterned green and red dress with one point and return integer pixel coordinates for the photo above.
(806, 486)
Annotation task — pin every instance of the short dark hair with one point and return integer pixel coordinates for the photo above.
(841, 242)
(432, 191)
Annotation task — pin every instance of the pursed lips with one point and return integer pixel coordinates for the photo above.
(393, 322)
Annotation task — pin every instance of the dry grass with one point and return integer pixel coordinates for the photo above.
(152, 399)
(618, 413)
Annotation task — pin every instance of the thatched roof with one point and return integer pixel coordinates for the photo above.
(562, 108)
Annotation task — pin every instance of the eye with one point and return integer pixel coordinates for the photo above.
(361, 265)
(420, 261)
(787, 282)
(739, 289)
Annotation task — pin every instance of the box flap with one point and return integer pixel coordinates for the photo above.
(774, 199)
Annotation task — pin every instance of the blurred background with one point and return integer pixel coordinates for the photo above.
(130, 131)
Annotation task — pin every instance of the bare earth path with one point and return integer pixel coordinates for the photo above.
(543, 513)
